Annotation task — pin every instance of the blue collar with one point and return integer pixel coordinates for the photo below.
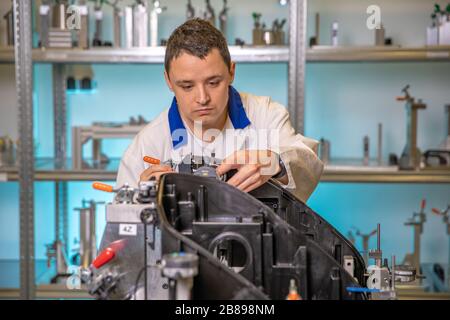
(236, 112)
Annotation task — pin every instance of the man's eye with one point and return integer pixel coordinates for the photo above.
(214, 83)
(186, 87)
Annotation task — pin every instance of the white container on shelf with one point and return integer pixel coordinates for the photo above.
(444, 32)
(128, 23)
(432, 36)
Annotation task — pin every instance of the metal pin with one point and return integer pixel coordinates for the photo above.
(380, 144)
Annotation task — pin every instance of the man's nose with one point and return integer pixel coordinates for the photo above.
(202, 95)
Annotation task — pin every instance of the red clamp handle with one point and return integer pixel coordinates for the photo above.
(104, 257)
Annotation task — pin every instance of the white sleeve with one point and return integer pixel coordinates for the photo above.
(131, 165)
(297, 152)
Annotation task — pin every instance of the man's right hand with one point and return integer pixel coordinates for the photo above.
(156, 171)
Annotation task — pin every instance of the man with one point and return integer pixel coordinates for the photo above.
(209, 117)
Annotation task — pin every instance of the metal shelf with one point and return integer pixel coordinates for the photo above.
(249, 54)
(51, 291)
(383, 175)
(45, 171)
(141, 55)
(377, 54)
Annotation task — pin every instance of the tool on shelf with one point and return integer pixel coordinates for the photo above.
(97, 133)
(154, 17)
(190, 10)
(365, 242)
(87, 250)
(411, 155)
(223, 18)
(209, 14)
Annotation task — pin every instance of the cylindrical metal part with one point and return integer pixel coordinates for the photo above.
(88, 249)
(59, 16)
(117, 24)
(44, 15)
(128, 23)
(98, 27)
(324, 151)
(9, 17)
(140, 26)
(447, 110)
(202, 204)
(379, 36)
(83, 33)
(378, 237)
(380, 144)
(317, 29)
(366, 150)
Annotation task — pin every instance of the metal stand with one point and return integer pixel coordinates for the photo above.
(88, 240)
(416, 221)
(365, 241)
(411, 155)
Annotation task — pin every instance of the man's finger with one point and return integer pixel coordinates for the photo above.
(243, 173)
(225, 167)
(254, 186)
(147, 174)
(249, 181)
(157, 168)
(158, 175)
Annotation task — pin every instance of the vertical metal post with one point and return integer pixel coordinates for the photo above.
(24, 87)
(60, 140)
(297, 53)
(60, 115)
(61, 215)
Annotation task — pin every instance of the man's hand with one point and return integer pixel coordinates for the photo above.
(156, 171)
(255, 167)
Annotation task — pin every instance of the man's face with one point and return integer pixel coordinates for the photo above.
(201, 87)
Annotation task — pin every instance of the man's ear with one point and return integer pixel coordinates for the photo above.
(232, 71)
(169, 84)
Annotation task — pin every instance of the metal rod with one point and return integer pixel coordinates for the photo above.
(393, 273)
(297, 53)
(378, 237)
(24, 87)
(380, 144)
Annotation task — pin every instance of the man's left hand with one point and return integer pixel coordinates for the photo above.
(255, 167)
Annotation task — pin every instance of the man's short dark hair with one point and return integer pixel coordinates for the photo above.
(196, 37)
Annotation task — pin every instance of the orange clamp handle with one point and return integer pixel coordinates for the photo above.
(151, 160)
(102, 187)
(293, 296)
(436, 211)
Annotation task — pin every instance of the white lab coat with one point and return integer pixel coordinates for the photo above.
(298, 153)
